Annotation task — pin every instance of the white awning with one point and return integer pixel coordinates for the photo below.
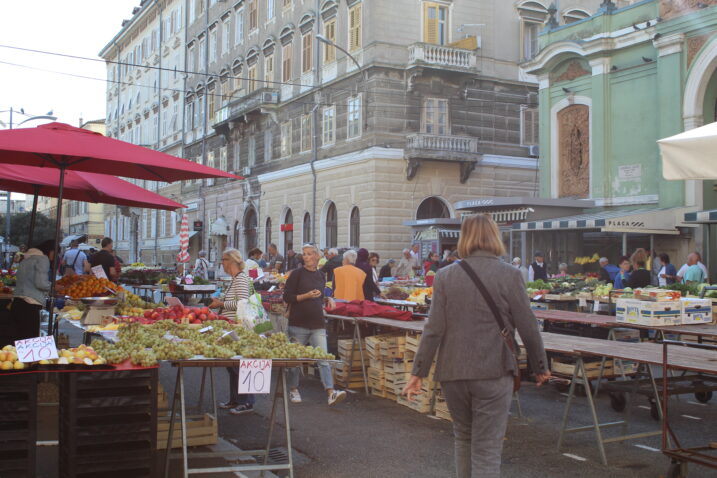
(67, 240)
(641, 221)
(434, 233)
(701, 217)
(173, 243)
(690, 155)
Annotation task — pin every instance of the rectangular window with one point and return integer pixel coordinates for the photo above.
(223, 158)
(213, 33)
(269, 9)
(269, 71)
(239, 27)
(202, 54)
(286, 63)
(251, 77)
(153, 226)
(163, 223)
(529, 126)
(306, 52)
(237, 156)
(226, 45)
(354, 117)
(211, 103)
(330, 34)
(328, 131)
(435, 23)
(190, 59)
(305, 132)
(285, 139)
(355, 27)
(530, 39)
(174, 220)
(252, 150)
(253, 15)
(435, 116)
(210, 163)
(268, 140)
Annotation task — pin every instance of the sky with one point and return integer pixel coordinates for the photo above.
(74, 27)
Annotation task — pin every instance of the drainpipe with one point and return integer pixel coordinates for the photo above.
(205, 120)
(315, 118)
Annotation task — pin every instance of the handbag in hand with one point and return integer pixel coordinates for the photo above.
(505, 333)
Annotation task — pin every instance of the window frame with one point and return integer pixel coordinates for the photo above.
(285, 139)
(328, 135)
(355, 30)
(306, 133)
(529, 127)
(428, 118)
(355, 228)
(286, 59)
(269, 70)
(307, 49)
(351, 107)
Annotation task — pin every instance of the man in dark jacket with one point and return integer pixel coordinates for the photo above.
(335, 260)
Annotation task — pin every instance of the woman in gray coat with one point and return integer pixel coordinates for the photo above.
(475, 366)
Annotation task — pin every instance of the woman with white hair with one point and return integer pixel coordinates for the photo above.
(201, 266)
(349, 279)
(238, 290)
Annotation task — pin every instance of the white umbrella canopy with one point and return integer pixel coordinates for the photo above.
(690, 155)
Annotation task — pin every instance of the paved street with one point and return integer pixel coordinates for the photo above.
(368, 437)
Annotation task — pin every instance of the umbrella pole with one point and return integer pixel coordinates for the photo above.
(33, 217)
(56, 259)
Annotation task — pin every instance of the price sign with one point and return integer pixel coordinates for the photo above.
(582, 302)
(254, 376)
(36, 349)
(99, 272)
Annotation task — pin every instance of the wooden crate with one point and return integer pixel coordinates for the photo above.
(385, 346)
(592, 369)
(421, 403)
(162, 398)
(375, 364)
(341, 376)
(412, 342)
(201, 430)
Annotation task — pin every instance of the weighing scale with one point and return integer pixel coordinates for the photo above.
(96, 309)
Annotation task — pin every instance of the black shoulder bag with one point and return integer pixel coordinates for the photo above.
(505, 334)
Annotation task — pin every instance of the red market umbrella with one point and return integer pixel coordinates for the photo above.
(78, 186)
(183, 256)
(59, 145)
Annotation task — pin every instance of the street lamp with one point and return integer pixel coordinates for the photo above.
(47, 116)
(323, 39)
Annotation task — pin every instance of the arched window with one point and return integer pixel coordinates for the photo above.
(432, 208)
(355, 228)
(288, 231)
(250, 232)
(575, 15)
(332, 226)
(306, 232)
(267, 234)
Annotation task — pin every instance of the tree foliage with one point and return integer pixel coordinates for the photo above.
(20, 228)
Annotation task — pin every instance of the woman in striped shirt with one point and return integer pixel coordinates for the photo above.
(238, 290)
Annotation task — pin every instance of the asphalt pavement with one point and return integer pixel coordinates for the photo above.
(371, 437)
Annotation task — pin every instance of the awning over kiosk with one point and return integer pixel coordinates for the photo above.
(641, 221)
(701, 217)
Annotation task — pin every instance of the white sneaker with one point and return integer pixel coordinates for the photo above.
(294, 396)
(337, 396)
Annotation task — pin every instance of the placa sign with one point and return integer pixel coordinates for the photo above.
(36, 349)
(255, 376)
(99, 272)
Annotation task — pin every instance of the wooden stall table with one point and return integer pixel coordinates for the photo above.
(179, 400)
(399, 304)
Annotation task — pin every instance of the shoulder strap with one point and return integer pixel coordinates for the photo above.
(486, 295)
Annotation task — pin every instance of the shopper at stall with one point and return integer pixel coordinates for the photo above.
(683, 269)
(640, 276)
(201, 266)
(275, 261)
(238, 289)
(668, 273)
(416, 254)
(104, 258)
(538, 270)
(474, 367)
(386, 270)
(517, 263)
(622, 277)
(373, 260)
(292, 260)
(363, 262)
(32, 283)
(74, 261)
(334, 261)
(562, 270)
(349, 279)
(453, 256)
(432, 263)
(407, 265)
(694, 273)
(252, 264)
(307, 326)
(607, 271)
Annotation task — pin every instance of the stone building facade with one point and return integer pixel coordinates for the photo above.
(429, 109)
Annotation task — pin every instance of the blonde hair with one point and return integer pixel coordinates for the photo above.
(639, 257)
(480, 232)
(234, 256)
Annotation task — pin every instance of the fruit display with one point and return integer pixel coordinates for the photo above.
(78, 287)
(587, 259)
(165, 340)
(178, 314)
(419, 295)
(133, 305)
(7, 278)
(8, 359)
(602, 290)
(395, 293)
(82, 355)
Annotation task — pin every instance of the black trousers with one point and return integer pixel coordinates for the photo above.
(23, 321)
(234, 396)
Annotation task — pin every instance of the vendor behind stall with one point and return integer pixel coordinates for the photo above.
(32, 286)
(538, 269)
(607, 271)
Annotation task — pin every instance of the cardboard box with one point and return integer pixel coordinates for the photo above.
(628, 311)
(660, 313)
(696, 311)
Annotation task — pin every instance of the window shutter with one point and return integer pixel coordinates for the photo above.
(286, 60)
(355, 28)
(430, 23)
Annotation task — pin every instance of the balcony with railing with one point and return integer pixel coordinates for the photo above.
(441, 56)
(263, 97)
(441, 147)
